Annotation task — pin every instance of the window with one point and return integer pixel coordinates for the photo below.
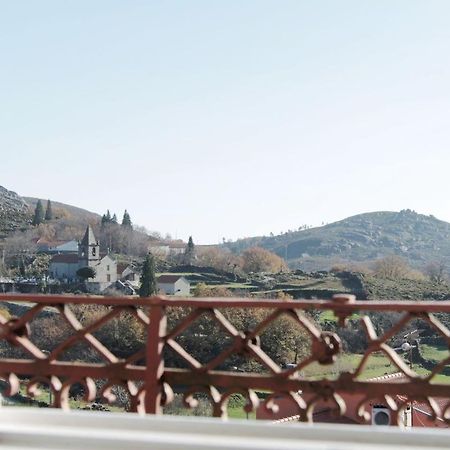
(108, 277)
(107, 268)
(93, 251)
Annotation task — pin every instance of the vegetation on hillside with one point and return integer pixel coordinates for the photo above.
(417, 238)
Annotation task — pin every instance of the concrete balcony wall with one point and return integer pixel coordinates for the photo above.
(30, 428)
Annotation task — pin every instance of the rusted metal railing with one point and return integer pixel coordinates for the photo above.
(149, 381)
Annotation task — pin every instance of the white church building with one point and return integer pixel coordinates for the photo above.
(64, 267)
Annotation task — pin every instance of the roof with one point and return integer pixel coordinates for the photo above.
(422, 413)
(168, 278)
(121, 267)
(158, 244)
(71, 245)
(177, 244)
(89, 237)
(69, 258)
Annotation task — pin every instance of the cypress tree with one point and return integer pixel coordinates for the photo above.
(148, 279)
(126, 221)
(48, 211)
(189, 252)
(38, 214)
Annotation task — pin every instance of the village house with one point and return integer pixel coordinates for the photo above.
(417, 413)
(128, 279)
(173, 285)
(64, 266)
(163, 249)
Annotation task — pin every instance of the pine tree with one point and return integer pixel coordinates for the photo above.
(114, 219)
(126, 221)
(148, 280)
(189, 252)
(38, 214)
(48, 211)
(107, 219)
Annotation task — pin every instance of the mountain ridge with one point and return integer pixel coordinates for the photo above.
(417, 238)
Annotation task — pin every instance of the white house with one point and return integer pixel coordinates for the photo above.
(128, 277)
(173, 285)
(159, 249)
(164, 249)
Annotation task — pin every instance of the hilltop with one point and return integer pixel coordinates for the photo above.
(417, 238)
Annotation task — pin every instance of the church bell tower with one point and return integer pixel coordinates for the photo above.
(88, 249)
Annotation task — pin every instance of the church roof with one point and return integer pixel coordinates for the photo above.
(65, 258)
(89, 237)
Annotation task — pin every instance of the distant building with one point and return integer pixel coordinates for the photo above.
(173, 285)
(64, 267)
(164, 249)
(159, 249)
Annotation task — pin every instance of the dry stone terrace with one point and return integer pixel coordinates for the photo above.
(147, 375)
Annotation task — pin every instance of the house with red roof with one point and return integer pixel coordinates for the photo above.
(416, 413)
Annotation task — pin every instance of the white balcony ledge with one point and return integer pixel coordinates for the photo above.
(29, 428)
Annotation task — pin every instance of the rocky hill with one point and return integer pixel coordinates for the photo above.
(417, 238)
(14, 212)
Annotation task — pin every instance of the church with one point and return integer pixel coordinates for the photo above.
(64, 267)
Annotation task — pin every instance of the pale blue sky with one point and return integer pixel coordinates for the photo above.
(227, 118)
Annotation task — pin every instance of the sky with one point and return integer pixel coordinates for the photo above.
(226, 119)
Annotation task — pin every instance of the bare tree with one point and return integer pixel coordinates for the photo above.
(392, 267)
(19, 248)
(436, 271)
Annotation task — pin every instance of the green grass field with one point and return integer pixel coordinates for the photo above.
(328, 316)
(376, 366)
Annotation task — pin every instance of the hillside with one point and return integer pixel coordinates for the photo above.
(64, 211)
(14, 212)
(417, 238)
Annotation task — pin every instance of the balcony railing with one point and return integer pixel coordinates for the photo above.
(160, 346)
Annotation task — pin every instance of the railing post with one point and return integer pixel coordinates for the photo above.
(154, 359)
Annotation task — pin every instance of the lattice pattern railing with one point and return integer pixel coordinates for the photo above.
(148, 376)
